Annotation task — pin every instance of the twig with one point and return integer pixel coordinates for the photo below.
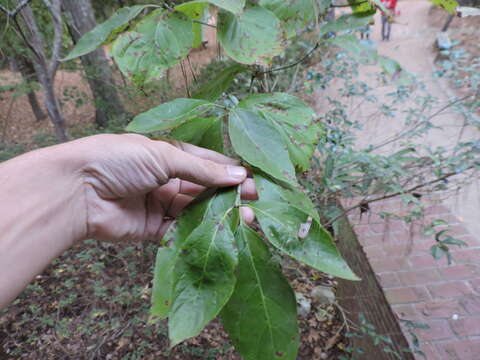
(55, 10)
(412, 189)
(191, 69)
(184, 73)
(204, 23)
(14, 12)
(296, 62)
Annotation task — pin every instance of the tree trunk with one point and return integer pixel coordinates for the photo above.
(45, 68)
(53, 107)
(27, 70)
(80, 20)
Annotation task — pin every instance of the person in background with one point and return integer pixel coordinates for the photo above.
(386, 20)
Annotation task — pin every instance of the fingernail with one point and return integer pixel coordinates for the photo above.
(237, 172)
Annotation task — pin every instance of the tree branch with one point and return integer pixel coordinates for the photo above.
(55, 10)
(14, 12)
(296, 62)
(389, 196)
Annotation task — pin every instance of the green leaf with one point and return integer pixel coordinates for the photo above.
(346, 22)
(167, 258)
(294, 14)
(324, 5)
(365, 52)
(204, 273)
(261, 316)
(214, 88)
(437, 252)
(158, 42)
(362, 7)
(269, 191)
(102, 32)
(281, 224)
(254, 37)
(163, 282)
(389, 65)
(358, 49)
(168, 115)
(447, 5)
(204, 132)
(293, 119)
(234, 6)
(195, 10)
(258, 142)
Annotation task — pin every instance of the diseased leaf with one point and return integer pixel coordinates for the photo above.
(269, 191)
(281, 224)
(346, 22)
(213, 89)
(258, 142)
(163, 282)
(168, 115)
(295, 14)
(204, 132)
(293, 119)
(195, 10)
(102, 32)
(261, 316)
(253, 37)
(204, 273)
(158, 42)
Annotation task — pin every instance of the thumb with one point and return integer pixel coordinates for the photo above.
(185, 166)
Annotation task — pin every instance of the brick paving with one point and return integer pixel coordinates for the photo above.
(421, 289)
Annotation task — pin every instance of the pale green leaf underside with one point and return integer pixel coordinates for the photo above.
(281, 224)
(261, 316)
(101, 33)
(254, 37)
(168, 115)
(258, 142)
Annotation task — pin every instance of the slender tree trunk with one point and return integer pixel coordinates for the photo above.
(80, 20)
(46, 68)
(52, 105)
(27, 70)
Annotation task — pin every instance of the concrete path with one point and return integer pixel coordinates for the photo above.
(447, 298)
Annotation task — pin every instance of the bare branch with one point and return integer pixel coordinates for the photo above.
(19, 7)
(5, 10)
(14, 12)
(407, 191)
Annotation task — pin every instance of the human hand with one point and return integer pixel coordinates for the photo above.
(134, 187)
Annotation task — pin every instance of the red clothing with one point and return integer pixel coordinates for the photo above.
(390, 4)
